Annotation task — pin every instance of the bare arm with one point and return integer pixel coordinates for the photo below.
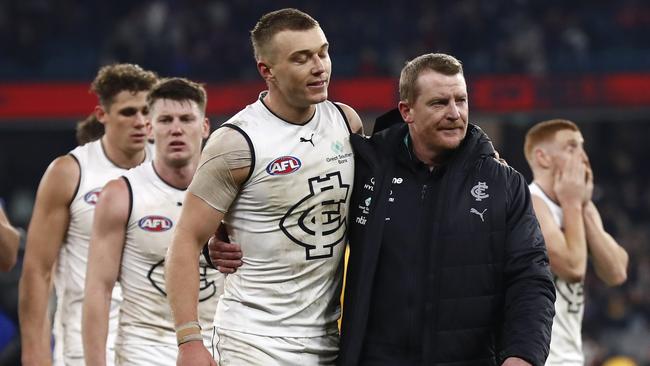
(567, 250)
(225, 164)
(353, 118)
(609, 258)
(104, 258)
(197, 222)
(515, 361)
(9, 242)
(47, 229)
(567, 247)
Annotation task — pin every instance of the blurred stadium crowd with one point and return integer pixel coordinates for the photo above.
(203, 39)
(207, 40)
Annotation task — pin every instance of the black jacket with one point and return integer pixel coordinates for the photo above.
(492, 287)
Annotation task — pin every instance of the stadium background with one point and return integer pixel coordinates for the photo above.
(525, 61)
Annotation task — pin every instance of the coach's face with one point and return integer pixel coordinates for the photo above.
(299, 66)
(439, 114)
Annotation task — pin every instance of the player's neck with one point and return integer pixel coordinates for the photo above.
(545, 182)
(176, 176)
(289, 113)
(122, 158)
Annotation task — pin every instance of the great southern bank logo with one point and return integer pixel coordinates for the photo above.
(155, 223)
(283, 165)
(92, 196)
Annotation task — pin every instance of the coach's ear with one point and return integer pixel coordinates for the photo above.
(405, 111)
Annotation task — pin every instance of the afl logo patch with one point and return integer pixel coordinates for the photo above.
(155, 223)
(92, 196)
(283, 165)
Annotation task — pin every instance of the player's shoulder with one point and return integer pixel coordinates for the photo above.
(63, 169)
(116, 191)
(354, 121)
(60, 182)
(226, 138)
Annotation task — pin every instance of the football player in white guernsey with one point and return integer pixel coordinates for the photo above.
(279, 174)
(135, 218)
(59, 231)
(572, 227)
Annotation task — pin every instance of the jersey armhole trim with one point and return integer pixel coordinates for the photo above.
(345, 118)
(250, 145)
(76, 190)
(128, 186)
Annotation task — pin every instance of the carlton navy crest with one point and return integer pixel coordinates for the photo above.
(318, 222)
(156, 277)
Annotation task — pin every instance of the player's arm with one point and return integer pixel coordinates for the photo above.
(225, 165)
(197, 222)
(353, 118)
(104, 258)
(47, 228)
(609, 258)
(567, 250)
(9, 242)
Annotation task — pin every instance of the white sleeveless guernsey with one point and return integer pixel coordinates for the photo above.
(566, 338)
(145, 314)
(69, 279)
(290, 219)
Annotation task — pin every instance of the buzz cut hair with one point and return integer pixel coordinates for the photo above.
(438, 62)
(116, 78)
(545, 131)
(180, 90)
(275, 22)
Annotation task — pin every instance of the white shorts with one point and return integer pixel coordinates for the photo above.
(60, 360)
(237, 348)
(145, 355)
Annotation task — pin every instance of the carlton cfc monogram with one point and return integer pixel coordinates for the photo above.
(321, 224)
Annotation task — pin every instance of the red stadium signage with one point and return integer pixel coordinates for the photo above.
(489, 94)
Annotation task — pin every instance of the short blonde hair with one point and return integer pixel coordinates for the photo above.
(545, 131)
(439, 62)
(277, 21)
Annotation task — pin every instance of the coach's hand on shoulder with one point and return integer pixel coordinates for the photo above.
(225, 256)
(515, 361)
(194, 354)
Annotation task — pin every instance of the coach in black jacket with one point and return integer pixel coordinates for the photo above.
(447, 264)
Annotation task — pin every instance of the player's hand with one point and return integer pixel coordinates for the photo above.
(225, 256)
(569, 181)
(515, 361)
(589, 180)
(194, 354)
(499, 159)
